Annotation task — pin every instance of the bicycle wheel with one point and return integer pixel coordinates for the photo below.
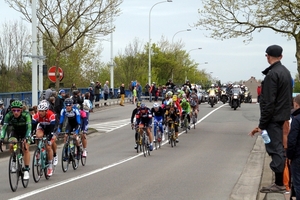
(46, 166)
(144, 146)
(171, 138)
(13, 176)
(75, 161)
(194, 120)
(83, 159)
(24, 181)
(36, 165)
(159, 138)
(174, 139)
(65, 158)
(185, 124)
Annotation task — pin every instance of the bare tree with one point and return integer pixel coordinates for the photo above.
(14, 43)
(230, 19)
(66, 22)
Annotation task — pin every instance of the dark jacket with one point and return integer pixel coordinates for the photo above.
(276, 95)
(59, 104)
(122, 90)
(293, 149)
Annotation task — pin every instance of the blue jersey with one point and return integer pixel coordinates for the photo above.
(73, 117)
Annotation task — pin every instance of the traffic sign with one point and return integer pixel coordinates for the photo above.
(51, 74)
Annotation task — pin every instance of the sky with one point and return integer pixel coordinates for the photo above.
(228, 60)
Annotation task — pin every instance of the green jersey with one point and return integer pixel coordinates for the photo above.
(20, 125)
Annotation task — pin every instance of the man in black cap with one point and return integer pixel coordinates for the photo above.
(275, 108)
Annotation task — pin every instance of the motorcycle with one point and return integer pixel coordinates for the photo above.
(224, 97)
(235, 99)
(248, 97)
(212, 98)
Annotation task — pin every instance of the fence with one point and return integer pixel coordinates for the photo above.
(26, 97)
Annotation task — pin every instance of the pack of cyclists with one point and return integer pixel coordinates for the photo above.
(19, 123)
(173, 108)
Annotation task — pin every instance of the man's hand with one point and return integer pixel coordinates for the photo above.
(255, 130)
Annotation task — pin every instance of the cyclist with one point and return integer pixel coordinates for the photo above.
(44, 123)
(172, 114)
(144, 118)
(186, 109)
(194, 103)
(134, 112)
(72, 113)
(158, 114)
(21, 129)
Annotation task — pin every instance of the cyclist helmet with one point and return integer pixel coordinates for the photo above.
(43, 105)
(143, 106)
(16, 104)
(212, 85)
(169, 94)
(183, 100)
(68, 101)
(1, 102)
(156, 105)
(138, 104)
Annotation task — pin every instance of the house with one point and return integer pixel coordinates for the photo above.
(252, 85)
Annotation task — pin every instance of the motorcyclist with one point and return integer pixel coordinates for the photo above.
(213, 90)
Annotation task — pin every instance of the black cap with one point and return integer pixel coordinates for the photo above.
(274, 51)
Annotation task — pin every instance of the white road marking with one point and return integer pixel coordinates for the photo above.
(97, 170)
(110, 126)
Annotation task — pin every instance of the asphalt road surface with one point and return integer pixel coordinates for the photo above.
(205, 164)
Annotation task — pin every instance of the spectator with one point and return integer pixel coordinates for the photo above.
(91, 98)
(58, 105)
(106, 92)
(134, 94)
(97, 91)
(275, 109)
(122, 93)
(130, 88)
(139, 91)
(73, 87)
(147, 88)
(153, 92)
(48, 93)
(52, 104)
(258, 93)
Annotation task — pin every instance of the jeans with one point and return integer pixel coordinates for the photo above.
(295, 168)
(97, 97)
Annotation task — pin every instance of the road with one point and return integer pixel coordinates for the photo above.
(206, 164)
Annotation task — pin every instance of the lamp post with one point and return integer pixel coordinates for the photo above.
(149, 64)
(173, 43)
(180, 32)
(188, 53)
(205, 63)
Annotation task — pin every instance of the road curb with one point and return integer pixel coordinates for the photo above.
(249, 181)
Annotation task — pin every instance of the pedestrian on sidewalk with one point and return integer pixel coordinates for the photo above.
(275, 109)
(97, 92)
(122, 93)
(106, 92)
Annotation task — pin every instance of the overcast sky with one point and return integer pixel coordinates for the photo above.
(229, 60)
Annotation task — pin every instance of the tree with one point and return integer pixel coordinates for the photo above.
(230, 19)
(14, 44)
(62, 20)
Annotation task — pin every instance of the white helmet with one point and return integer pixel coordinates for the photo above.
(43, 106)
(155, 105)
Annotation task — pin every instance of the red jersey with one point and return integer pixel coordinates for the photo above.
(48, 119)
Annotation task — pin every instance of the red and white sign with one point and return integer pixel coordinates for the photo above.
(51, 74)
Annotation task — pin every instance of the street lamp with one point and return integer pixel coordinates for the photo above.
(149, 64)
(188, 53)
(179, 32)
